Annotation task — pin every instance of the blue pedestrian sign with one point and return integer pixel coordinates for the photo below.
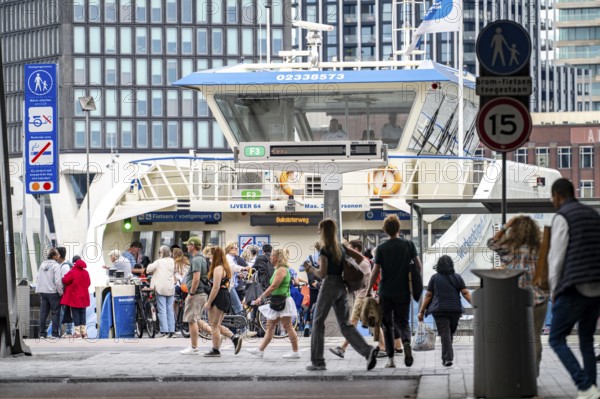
(503, 47)
(41, 130)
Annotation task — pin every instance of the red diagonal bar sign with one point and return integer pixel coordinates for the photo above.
(39, 154)
(246, 243)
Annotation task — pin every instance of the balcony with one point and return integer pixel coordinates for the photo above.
(546, 4)
(350, 18)
(547, 44)
(368, 18)
(350, 39)
(368, 39)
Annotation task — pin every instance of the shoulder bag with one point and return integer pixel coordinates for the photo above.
(351, 274)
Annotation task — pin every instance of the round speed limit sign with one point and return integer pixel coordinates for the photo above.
(504, 124)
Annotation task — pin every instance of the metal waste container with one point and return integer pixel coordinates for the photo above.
(503, 335)
(123, 297)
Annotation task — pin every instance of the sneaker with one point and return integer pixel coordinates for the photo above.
(256, 352)
(249, 334)
(292, 355)
(398, 350)
(190, 351)
(408, 358)
(171, 335)
(213, 353)
(447, 364)
(162, 335)
(312, 367)
(237, 344)
(339, 352)
(590, 393)
(390, 364)
(307, 332)
(382, 353)
(372, 358)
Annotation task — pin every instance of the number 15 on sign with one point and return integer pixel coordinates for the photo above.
(504, 124)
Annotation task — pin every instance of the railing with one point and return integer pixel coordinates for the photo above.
(220, 179)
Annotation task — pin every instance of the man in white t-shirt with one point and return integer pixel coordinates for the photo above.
(335, 132)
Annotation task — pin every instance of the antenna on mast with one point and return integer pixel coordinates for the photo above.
(313, 39)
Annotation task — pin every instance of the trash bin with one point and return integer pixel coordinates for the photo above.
(123, 297)
(503, 334)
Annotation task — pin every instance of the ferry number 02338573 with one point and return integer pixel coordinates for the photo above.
(291, 77)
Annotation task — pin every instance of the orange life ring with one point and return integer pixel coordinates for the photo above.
(283, 183)
(385, 190)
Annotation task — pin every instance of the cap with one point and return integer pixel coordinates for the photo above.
(194, 240)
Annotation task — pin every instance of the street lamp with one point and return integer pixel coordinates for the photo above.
(87, 104)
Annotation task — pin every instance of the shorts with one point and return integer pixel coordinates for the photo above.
(223, 300)
(194, 306)
(357, 308)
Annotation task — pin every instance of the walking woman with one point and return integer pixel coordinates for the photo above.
(518, 245)
(219, 302)
(182, 266)
(333, 293)
(163, 277)
(443, 293)
(280, 287)
(77, 297)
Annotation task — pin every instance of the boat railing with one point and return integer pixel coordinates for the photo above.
(220, 179)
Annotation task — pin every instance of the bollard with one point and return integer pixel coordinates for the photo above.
(504, 360)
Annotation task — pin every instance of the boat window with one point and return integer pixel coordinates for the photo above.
(303, 115)
(437, 127)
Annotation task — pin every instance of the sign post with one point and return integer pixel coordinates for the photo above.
(504, 122)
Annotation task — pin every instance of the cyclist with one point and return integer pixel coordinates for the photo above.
(280, 286)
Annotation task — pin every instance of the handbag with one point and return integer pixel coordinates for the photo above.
(278, 302)
(206, 285)
(415, 281)
(540, 279)
(351, 274)
(424, 339)
(253, 291)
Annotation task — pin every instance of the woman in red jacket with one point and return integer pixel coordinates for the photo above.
(76, 296)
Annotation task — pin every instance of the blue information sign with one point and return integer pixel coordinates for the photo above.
(153, 217)
(380, 214)
(503, 47)
(41, 130)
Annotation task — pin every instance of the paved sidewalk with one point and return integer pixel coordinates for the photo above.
(68, 360)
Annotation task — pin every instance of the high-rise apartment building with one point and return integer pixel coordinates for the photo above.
(578, 44)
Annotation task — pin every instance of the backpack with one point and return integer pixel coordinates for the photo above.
(265, 270)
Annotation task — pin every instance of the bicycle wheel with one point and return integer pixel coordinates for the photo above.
(203, 334)
(139, 321)
(150, 315)
(279, 330)
(253, 322)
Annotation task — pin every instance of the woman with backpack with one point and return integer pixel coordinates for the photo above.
(282, 307)
(333, 293)
(443, 292)
(76, 297)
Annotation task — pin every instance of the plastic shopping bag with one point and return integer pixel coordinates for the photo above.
(424, 339)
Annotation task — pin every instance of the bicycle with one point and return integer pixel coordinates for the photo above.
(279, 330)
(180, 325)
(146, 316)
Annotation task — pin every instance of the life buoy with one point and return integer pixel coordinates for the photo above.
(283, 183)
(386, 189)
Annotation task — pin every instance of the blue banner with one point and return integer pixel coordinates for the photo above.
(380, 214)
(41, 145)
(152, 217)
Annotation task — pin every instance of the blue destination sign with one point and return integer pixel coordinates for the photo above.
(380, 214)
(153, 217)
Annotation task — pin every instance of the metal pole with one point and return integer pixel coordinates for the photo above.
(268, 8)
(24, 252)
(87, 165)
(503, 202)
(43, 221)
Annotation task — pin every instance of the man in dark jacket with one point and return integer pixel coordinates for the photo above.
(264, 267)
(574, 279)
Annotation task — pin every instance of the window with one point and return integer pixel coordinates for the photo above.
(78, 12)
(172, 134)
(201, 41)
(187, 103)
(187, 134)
(126, 105)
(217, 136)
(141, 41)
(111, 134)
(564, 157)
(156, 40)
(202, 106)
(157, 72)
(247, 13)
(110, 11)
(79, 71)
(586, 157)
(186, 11)
(171, 71)
(171, 10)
(586, 189)
(77, 111)
(125, 40)
(248, 41)
(186, 41)
(96, 134)
(216, 12)
(521, 155)
(94, 11)
(127, 11)
(202, 12)
(140, 11)
(110, 101)
(187, 67)
(141, 105)
(232, 41)
(110, 71)
(203, 137)
(171, 40)
(79, 139)
(217, 41)
(95, 40)
(157, 135)
(172, 103)
(141, 135)
(156, 11)
(232, 11)
(277, 41)
(542, 155)
(141, 71)
(126, 71)
(332, 13)
(110, 40)
(126, 134)
(157, 103)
